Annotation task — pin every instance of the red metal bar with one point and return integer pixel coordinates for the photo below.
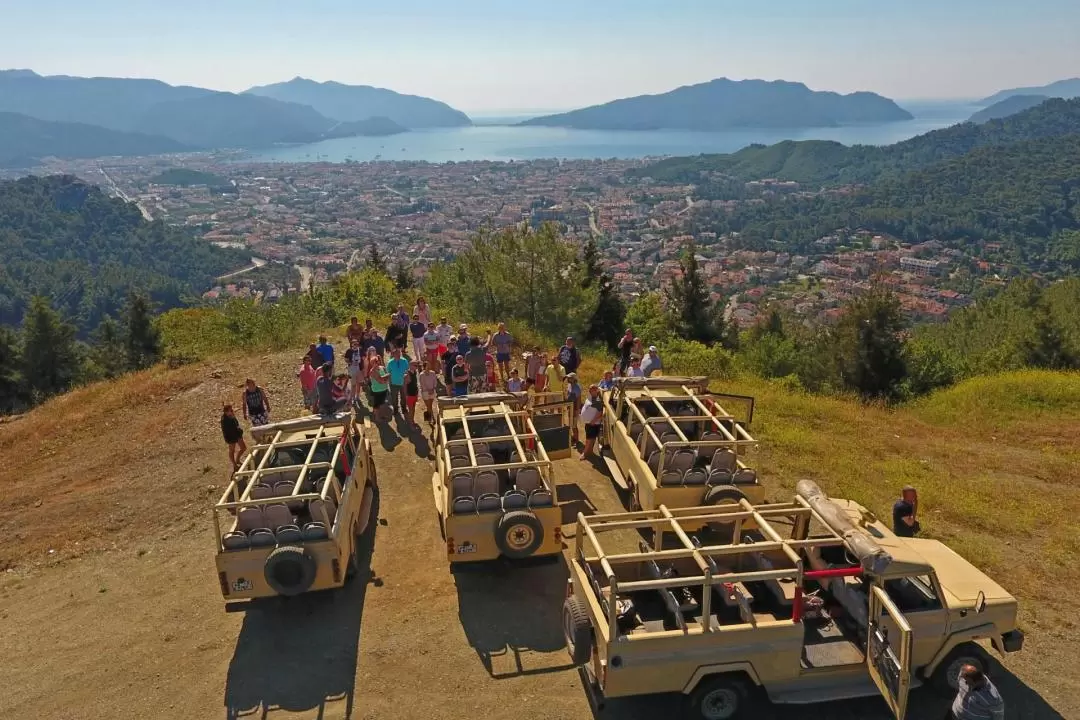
(797, 606)
(833, 573)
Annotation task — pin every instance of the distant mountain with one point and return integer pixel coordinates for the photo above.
(1061, 89)
(24, 140)
(360, 102)
(722, 104)
(114, 103)
(189, 116)
(1009, 106)
(819, 162)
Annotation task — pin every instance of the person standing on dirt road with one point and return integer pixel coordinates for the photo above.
(460, 374)
(905, 523)
(626, 349)
(233, 434)
(416, 330)
(592, 417)
(308, 375)
(397, 367)
(325, 388)
(503, 342)
(569, 357)
(326, 350)
(976, 697)
(256, 404)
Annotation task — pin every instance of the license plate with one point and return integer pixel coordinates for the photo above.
(241, 585)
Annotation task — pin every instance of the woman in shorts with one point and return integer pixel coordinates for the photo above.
(429, 388)
(379, 379)
(233, 434)
(256, 404)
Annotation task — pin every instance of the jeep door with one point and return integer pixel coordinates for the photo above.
(888, 651)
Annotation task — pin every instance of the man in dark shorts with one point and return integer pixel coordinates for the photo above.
(904, 510)
(626, 350)
(325, 389)
(477, 362)
(503, 342)
(460, 375)
(592, 416)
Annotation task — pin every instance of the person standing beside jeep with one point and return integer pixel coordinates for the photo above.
(904, 510)
(976, 697)
(569, 357)
(503, 341)
(256, 404)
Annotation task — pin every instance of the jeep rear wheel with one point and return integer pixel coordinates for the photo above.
(720, 698)
(519, 534)
(289, 570)
(578, 631)
(947, 674)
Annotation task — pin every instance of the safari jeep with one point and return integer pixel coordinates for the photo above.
(290, 518)
(801, 602)
(669, 441)
(494, 485)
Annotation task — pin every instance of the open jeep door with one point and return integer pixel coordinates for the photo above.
(553, 417)
(888, 657)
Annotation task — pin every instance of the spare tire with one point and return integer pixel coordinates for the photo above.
(519, 534)
(289, 570)
(720, 494)
(578, 630)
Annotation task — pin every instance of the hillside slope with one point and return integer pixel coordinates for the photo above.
(108, 510)
(724, 103)
(1009, 106)
(24, 140)
(1069, 88)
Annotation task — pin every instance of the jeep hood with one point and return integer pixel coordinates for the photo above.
(960, 580)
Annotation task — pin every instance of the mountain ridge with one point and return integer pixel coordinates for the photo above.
(1009, 106)
(344, 102)
(25, 140)
(1067, 89)
(723, 104)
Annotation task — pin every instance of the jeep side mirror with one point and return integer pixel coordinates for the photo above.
(980, 602)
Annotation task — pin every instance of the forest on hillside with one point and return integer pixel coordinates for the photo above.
(68, 241)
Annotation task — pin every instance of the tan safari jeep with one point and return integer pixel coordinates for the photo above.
(494, 484)
(669, 441)
(292, 517)
(801, 602)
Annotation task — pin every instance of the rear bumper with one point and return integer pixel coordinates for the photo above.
(1012, 641)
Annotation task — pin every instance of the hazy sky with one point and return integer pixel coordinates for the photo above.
(488, 55)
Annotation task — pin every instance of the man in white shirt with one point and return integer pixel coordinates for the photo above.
(445, 331)
(592, 417)
(651, 362)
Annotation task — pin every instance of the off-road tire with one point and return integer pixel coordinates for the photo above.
(519, 534)
(577, 630)
(289, 570)
(723, 493)
(721, 697)
(945, 675)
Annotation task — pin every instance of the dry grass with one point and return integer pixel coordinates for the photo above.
(994, 460)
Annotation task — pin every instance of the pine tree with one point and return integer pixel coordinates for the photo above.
(142, 344)
(688, 301)
(606, 323)
(108, 352)
(375, 259)
(11, 395)
(870, 345)
(403, 277)
(50, 360)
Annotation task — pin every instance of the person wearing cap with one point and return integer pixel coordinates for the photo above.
(592, 417)
(635, 368)
(651, 362)
(463, 339)
(569, 357)
(904, 513)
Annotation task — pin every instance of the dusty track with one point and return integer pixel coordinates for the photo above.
(124, 618)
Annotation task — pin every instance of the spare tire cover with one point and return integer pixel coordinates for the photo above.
(289, 570)
(519, 534)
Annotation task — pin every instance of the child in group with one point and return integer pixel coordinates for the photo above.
(429, 388)
(412, 392)
(308, 374)
(233, 434)
(608, 382)
(492, 379)
(515, 384)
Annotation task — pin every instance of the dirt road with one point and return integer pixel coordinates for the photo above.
(124, 618)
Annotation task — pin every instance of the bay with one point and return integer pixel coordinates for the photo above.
(509, 142)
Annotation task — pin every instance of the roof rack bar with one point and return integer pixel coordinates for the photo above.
(307, 460)
(704, 566)
(266, 501)
(269, 450)
(283, 468)
(685, 581)
(468, 439)
(299, 443)
(651, 521)
(666, 414)
(333, 477)
(604, 564)
(697, 401)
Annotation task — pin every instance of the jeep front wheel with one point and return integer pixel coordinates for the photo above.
(946, 676)
(720, 698)
(519, 534)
